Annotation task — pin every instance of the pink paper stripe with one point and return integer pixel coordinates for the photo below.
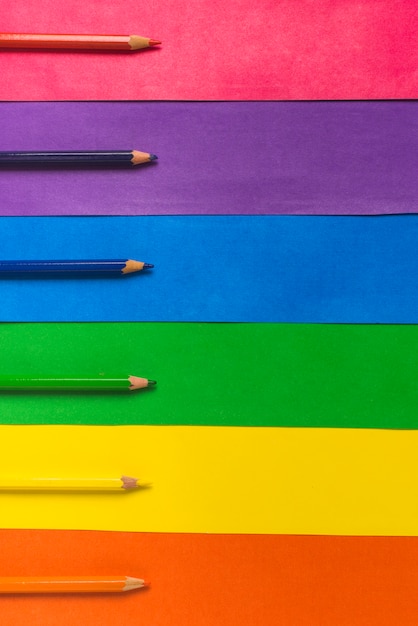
(236, 50)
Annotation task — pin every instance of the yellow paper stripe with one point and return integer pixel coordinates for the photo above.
(218, 480)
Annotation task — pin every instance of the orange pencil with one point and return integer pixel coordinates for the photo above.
(77, 42)
(69, 584)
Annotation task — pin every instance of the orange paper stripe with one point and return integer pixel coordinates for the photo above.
(202, 580)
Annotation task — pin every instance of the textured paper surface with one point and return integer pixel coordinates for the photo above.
(219, 269)
(218, 579)
(209, 479)
(272, 49)
(217, 158)
(219, 374)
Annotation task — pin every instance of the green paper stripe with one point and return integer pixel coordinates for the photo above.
(221, 374)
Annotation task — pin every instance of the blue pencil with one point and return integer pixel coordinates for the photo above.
(99, 157)
(115, 266)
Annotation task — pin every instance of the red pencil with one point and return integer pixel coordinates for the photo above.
(77, 42)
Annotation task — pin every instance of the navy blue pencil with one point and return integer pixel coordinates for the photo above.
(99, 157)
(114, 266)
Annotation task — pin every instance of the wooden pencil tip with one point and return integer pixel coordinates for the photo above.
(135, 266)
(129, 482)
(138, 157)
(140, 383)
(134, 583)
(137, 43)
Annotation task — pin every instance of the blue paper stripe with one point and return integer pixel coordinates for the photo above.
(219, 269)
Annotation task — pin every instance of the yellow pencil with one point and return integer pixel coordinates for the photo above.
(122, 484)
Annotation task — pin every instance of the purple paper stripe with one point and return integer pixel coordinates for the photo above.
(329, 158)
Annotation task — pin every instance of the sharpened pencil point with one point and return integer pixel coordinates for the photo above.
(138, 158)
(132, 266)
(128, 482)
(133, 583)
(154, 42)
(140, 383)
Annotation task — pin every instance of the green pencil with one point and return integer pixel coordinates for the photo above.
(76, 383)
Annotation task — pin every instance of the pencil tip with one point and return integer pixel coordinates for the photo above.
(154, 42)
(153, 157)
(135, 266)
(140, 383)
(128, 482)
(133, 583)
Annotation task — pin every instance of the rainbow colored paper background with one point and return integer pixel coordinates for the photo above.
(280, 443)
